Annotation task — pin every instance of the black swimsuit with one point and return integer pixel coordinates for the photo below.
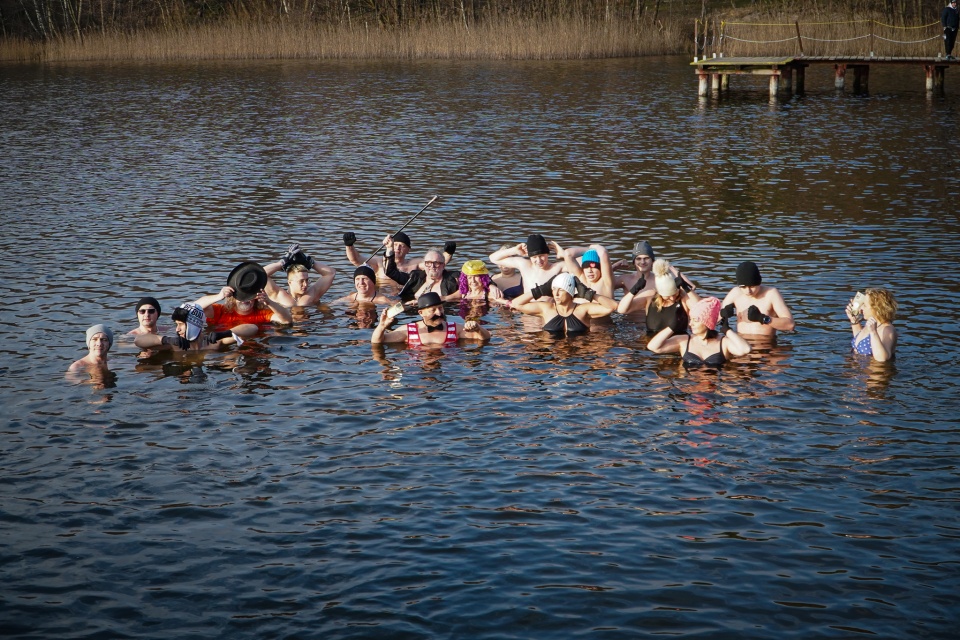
(570, 324)
(673, 316)
(692, 360)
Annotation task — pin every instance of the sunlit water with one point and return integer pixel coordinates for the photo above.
(308, 485)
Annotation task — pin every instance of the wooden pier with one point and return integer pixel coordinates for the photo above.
(787, 72)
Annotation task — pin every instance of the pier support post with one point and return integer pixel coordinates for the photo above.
(840, 71)
(861, 78)
(704, 78)
(774, 83)
(788, 80)
(800, 78)
(715, 82)
(725, 82)
(934, 77)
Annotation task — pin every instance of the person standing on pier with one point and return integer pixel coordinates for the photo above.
(950, 19)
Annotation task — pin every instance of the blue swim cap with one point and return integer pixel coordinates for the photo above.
(590, 256)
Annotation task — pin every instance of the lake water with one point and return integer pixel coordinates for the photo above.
(308, 485)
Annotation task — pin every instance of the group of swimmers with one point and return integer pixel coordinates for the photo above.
(568, 294)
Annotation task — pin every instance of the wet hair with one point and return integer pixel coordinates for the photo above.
(465, 286)
(883, 304)
(296, 268)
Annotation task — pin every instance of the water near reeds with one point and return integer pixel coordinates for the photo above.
(309, 486)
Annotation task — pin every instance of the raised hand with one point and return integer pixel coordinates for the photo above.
(349, 238)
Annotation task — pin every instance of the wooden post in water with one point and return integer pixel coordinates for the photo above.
(774, 83)
(934, 77)
(788, 80)
(800, 78)
(841, 71)
(704, 78)
(861, 78)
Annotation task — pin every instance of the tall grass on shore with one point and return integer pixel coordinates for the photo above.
(509, 38)
(861, 37)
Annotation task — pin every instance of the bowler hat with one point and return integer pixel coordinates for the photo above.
(247, 280)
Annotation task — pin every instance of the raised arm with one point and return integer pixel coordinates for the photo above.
(666, 342)
(206, 301)
(510, 256)
(734, 345)
(381, 334)
(472, 330)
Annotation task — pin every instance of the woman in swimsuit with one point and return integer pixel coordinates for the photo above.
(877, 337)
(704, 346)
(670, 306)
(561, 315)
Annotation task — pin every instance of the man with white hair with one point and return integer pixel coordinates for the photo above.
(432, 275)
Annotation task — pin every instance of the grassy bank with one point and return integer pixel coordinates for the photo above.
(504, 39)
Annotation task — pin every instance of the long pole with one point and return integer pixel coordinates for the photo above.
(403, 227)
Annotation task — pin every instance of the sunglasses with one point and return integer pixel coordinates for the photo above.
(146, 310)
(434, 264)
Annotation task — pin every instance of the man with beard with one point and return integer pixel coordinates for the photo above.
(432, 329)
(431, 276)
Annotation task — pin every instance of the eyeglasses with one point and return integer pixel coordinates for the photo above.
(434, 264)
(146, 310)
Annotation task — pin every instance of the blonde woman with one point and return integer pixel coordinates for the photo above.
(877, 337)
(670, 305)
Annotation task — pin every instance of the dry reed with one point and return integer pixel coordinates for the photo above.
(861, 37)
(508, 38)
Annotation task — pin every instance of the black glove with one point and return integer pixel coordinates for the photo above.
(545, 289)
(754, 315)
(349, 238)
(639, 285)
(287, 258)
(301, 258)
(450, 247)
(583, 291)
(729, 311)
(682, 284)
(176, 341)
(217, 336)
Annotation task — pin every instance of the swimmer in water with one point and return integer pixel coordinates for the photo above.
(148, 315)
(877, 337)
(365, 283)
(562, 315)
(670, 305)
(432, 275)
(532, 260)
(433, 328)
(703, 346)
(593, 270)
(99, 341)
(298, 265)
(508, 280)
(758, 309)
(190, 319)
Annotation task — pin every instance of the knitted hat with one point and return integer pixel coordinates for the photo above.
(706, 312)
(664, 280)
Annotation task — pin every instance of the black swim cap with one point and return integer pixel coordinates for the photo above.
(148, 300)
(748, 275)
(400, 236)
(429, 299)
(364, 270)
(536, 245)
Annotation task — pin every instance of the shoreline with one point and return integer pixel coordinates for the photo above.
(509, 39)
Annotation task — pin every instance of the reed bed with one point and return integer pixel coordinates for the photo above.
(504, 39)
(858, 37)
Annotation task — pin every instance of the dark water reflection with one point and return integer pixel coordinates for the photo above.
(309, 485)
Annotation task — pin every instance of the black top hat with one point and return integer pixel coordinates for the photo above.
(247, 280)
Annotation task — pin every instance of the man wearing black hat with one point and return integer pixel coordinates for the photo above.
(431, 330)
(431, 275)
(365, 283)
(532, 260)
(148, 315)
(758, 309)
(950, 19)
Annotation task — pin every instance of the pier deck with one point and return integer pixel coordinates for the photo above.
(787, 72)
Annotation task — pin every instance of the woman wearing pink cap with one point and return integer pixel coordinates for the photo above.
(703, 346)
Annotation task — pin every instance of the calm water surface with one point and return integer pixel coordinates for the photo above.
(308, 485)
